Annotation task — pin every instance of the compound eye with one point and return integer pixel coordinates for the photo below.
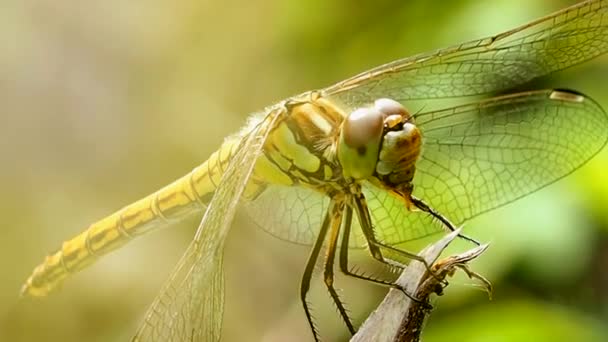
(363, 126)
(359, 143)
(390, 107)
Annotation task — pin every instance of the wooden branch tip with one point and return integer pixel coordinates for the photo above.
(398, 318)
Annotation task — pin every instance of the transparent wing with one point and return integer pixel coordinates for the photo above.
(481, 156)
(551, 43)
(475, 157)
(190, 305)
(292, 214)
(295, 214)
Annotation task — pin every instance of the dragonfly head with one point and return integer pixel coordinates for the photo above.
(380, 143)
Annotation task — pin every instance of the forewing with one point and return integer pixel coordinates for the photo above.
(555, 42)
(481, 156)
(190, 305)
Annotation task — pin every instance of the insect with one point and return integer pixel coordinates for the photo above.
(351, 165)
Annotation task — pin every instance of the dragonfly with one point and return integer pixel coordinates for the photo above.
(350, 166)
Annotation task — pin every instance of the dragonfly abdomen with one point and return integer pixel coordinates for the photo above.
(187, 195)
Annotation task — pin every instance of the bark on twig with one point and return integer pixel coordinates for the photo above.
(398, 318)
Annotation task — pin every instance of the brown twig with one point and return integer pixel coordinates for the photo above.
(398, 318)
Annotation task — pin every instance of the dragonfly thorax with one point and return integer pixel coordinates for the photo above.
(380, 142)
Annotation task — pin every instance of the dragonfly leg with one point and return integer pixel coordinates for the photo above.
(420, 204)
(333, 219)
(310, 266)
(336, 213)
(344, 261)
(374, 245)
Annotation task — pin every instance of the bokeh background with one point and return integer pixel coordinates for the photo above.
(104, 102)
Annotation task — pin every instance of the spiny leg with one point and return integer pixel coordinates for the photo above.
(336, 213)
(420, 204)
(310, 265)
(344, 253)
(373, 244)
(374, 247)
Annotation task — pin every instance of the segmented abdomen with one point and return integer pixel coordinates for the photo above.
(184, 196)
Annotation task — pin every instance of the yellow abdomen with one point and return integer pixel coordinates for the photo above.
(184, 196)
(284, 161)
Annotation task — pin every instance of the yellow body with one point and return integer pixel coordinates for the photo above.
(285, 161)
(186, 195)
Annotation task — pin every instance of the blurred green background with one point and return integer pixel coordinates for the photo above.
(106, 101)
